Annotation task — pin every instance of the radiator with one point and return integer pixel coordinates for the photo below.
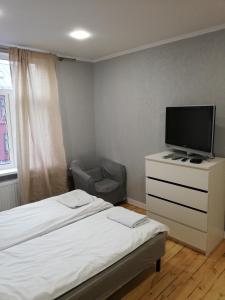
(8, 194)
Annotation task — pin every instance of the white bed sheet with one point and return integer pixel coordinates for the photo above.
(32, 220)
(48, 266)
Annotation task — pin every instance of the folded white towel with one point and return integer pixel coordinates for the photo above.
(76, 198)
(127, 217)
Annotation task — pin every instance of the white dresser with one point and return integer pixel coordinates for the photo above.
(189, 198)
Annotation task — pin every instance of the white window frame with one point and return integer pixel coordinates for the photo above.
(11, 126)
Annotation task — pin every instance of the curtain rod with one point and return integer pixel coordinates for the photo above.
(5, 49)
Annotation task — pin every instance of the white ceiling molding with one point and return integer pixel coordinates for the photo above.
(125, 52)
(160, 43)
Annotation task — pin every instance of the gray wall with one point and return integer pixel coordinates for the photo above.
(75, 80)
(132, 91)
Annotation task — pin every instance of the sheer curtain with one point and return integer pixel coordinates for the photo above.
(41, 156)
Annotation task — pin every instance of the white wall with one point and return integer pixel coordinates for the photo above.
(131, 93)
(75, 80)
(116, 108)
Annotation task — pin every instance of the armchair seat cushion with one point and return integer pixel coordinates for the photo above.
(106, 185)
(95, 173)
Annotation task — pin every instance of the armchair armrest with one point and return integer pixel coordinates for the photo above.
(82, 180)
(114, 170)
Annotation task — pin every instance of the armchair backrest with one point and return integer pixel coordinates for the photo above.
(113, 170)
(82, 180)
(75, 164)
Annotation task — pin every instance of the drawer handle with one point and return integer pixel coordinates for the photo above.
(178, 184)
(192, 208)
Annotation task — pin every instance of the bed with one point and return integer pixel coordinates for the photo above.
(92, 257)
(107, 282)
(44, 216)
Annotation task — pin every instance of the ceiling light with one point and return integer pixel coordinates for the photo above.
(80, 34)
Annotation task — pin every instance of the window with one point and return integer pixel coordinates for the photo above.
(7, 120)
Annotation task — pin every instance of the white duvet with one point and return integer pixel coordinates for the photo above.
(32, 220)
(48, 266)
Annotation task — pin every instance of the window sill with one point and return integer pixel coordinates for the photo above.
(8, 174)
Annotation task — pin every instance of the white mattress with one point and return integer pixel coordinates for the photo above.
(48, 266)
(32, 220)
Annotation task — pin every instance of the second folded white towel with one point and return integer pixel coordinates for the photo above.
(127, 217)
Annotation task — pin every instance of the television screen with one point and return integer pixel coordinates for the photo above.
(191, 127)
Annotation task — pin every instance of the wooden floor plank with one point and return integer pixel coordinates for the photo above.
(139, 290)
(164, 279)
(217, 291)
(185, 274)
(212, 272)
(193, 282)
(176, 289)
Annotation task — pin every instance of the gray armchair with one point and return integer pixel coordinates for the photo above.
(107, 181)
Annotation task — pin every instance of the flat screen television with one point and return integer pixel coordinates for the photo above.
(191, 128)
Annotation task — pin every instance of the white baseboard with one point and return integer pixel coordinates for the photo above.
(136, 203)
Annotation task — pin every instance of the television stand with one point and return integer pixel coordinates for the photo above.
(187, 197)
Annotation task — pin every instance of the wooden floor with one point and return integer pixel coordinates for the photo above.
(185, 274)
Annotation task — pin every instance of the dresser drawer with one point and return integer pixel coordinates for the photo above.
(183, 215)
(186, 176)
(178, 194)
(183, 233)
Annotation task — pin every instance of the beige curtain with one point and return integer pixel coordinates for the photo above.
(41, 156)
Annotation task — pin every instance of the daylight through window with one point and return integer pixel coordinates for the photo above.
(7, 119)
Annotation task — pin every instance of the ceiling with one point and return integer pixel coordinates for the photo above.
(115, 25)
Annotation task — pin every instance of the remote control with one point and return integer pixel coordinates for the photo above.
(176, 157)
(168, 156)
(184, 159)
